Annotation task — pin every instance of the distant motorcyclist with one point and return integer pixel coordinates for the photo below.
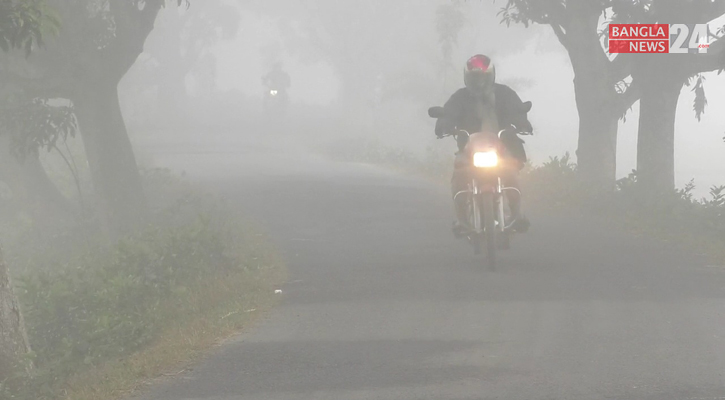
(277, 79)
(486, 106)
(277, 82)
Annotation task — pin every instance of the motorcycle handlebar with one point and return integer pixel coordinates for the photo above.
(457, 132)
(454, 133)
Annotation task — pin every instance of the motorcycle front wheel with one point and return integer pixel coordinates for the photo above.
(477, 224)
(488, 206)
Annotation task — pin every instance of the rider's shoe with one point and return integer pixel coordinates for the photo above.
(459, 230)
(520, 225)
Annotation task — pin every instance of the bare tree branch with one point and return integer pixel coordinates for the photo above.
(134, 21)
(561, 35)
(626, 100)
(713, 60)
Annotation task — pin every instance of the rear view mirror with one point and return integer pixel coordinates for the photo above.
(527, 106)
(436, 112)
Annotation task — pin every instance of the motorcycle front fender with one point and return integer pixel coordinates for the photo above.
(486, 180)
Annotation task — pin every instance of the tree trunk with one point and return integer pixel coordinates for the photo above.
(88, 74)
(595, 98)
(598, 125)
(656, 138)
(114, 172)
(13, 337)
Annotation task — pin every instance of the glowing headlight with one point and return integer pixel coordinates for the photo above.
(485, 159)
(273, 92)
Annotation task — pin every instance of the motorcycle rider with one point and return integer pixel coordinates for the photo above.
(277, 79)
(486, 106)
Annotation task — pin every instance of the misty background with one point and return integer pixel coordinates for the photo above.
(115, 255)
(397, 47)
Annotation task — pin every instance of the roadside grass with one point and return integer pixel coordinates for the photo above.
(104, 318)
(677, 218)
(220, 308)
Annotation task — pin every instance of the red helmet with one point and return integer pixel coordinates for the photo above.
(480, 73)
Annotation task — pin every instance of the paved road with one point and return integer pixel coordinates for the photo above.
(383, 303)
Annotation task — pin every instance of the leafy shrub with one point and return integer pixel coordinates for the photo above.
(554, 182)
(676, 215)
(108, 302)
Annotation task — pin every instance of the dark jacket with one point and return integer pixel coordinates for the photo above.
(277, 79)
(461, 110)
(461, 113)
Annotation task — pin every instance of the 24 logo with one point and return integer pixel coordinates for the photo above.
(698, 38)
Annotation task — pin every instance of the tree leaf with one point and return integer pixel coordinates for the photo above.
(700, 102)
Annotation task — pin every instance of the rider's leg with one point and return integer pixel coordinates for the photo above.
(459, 183)
(519, 221)
(511, 180)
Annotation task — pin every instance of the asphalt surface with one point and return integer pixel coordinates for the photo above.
(383, 303)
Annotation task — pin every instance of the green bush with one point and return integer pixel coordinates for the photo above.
(109, 302)
(102, 304)
(553, 183)
(675, 215)
(675, 210)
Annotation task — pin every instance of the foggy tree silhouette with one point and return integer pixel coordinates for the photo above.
(602, 95)
(180, 42)
(99, 43)
(660, 79)
(599, 101)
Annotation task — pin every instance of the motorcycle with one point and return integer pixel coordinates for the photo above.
(485, 197)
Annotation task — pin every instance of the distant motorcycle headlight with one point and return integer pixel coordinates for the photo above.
(485, 159)
(273, 92)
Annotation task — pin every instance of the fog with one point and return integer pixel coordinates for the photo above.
(530, 60)
(182, 174)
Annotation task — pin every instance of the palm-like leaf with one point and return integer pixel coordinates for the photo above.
(23, 24)
(37, 124)
(700, 102)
